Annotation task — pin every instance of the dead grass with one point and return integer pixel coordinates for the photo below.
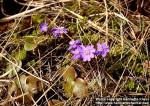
(124, 72)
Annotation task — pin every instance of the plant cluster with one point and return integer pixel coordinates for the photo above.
(70, 52)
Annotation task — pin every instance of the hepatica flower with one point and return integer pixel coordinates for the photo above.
(76, 53)
(43, 27)
(75, 49)
(102, 49)
(73, 44)
(79, 51)
(88, 52)
(58, 31)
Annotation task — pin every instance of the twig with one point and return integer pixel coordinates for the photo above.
(30, 11)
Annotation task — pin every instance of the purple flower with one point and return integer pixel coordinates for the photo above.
(58, 31)
(76, 53)
(74, 44)
(102, 49)
(43, 27)
(79, 51)
(87, 52)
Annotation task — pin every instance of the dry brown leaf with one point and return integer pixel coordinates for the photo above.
(69, 73)
(80, 88)
(55, 102)
(30, 84)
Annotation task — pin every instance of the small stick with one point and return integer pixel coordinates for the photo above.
(29, 11)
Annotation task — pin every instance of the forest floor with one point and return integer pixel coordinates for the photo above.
(75, 53)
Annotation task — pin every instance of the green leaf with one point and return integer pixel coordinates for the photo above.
(32, 62)
(68, 88)
(20, 55)
(37, 18)
(11, 69)
(131, 85)
(29, 46)
(32, 42)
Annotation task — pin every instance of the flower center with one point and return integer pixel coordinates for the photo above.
(87, 52)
